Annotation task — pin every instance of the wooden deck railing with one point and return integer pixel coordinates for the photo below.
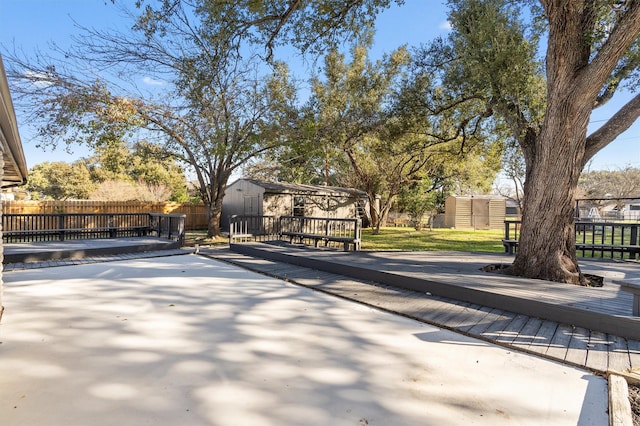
(301, 229)
(253, 228)
(170, 226)
(18, 228)
(593, 239)
(329, 231)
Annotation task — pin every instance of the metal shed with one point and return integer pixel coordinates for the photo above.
(259, 198)
(475, 212)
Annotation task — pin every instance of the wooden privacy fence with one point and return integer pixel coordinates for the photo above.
(17, 228)
(601, 239)
(195, 213)
(301, 229)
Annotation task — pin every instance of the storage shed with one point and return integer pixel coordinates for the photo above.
(475, 212)
(251, 197)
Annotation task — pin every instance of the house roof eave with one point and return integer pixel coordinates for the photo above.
(15, 165)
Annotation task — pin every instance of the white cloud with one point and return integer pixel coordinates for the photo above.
(150, 81)
(446, 26)
(39, 79)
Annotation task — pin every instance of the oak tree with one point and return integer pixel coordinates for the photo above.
(213, 115)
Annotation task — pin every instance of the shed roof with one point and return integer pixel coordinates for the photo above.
(15, 166)
(478, 197)
(298, 188)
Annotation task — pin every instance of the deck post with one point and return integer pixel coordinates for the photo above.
(632, 285)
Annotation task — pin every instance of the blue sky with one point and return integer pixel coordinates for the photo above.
(34, 24)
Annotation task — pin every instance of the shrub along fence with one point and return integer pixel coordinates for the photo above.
(196, 217)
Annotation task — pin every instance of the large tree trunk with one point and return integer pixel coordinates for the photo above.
(547, 239)
(556, 157)
(374, 212)
(213, 226)
(217, 189)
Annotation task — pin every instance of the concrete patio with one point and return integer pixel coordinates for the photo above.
(191, 340)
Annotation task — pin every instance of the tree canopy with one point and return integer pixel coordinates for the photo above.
(212, 115)
(494, 72)
(528, 72)
(114, 172)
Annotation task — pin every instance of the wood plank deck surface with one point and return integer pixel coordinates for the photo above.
(459, 276)
(562, 341)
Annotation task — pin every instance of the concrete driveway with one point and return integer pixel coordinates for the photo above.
(186, 340)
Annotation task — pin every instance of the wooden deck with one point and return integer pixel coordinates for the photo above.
(16, 254)
(530, 316)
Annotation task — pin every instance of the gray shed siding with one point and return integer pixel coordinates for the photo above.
(242, 197)
(250, 197)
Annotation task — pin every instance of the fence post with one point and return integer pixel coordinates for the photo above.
(111, 226)
(61, 227)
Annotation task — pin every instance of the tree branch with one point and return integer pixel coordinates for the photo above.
(621, 121)
(621, 38)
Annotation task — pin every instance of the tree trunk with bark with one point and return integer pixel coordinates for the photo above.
(547, 241)
(556, 157)
(218, 188)
(214, 215)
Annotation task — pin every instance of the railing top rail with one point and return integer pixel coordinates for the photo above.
(336, 219)
(589, 222)
(73, 214)
(239, 216)
(606, 223)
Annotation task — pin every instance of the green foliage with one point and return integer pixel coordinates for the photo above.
(59, 181)
(417, 200)
(114, 173)
(350, 123)
(310, 26)
(215, 113)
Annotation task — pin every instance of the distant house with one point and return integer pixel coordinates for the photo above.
(251, 197)
(512, 208)
(14, 166)
(631, 210)
(608, 209)
(475, 212)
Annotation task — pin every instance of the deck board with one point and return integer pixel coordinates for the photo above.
(492, 316)
(513, 329)
(457, 277)
(597, 352)
(618, 354)
(458, 311)
(543, 337)
(470, 314)
(634, 353)
(578, 346)
(560, 342)
(493, 331)
(565, 342)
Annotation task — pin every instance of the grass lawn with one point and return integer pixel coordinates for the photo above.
(200, 237)
(408, 239)
(405, 239)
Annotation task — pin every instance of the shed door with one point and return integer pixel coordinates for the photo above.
(251, 205)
